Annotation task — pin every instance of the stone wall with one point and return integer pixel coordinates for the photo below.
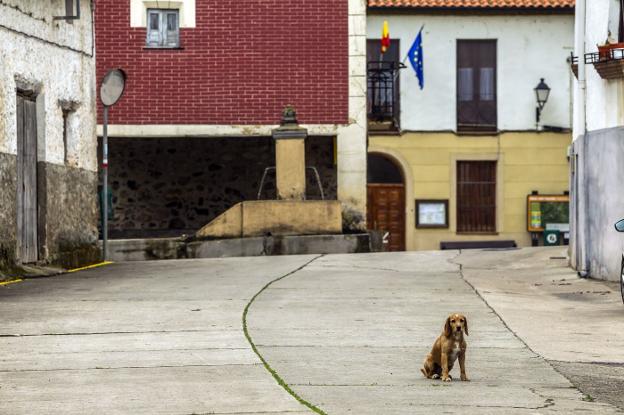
(8, 212)
(171, 186)
(68, 215)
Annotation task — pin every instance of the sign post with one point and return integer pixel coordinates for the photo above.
(111, 90)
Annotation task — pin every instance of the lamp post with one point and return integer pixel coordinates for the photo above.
(111, 90)
(541, 94)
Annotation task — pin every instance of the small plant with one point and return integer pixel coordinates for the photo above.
(588, 398)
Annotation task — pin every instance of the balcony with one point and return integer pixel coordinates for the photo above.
(608, 61)
(383, 96)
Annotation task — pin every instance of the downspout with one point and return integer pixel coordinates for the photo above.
(581, 191)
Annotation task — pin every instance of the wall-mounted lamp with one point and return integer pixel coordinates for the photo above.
(541, 94)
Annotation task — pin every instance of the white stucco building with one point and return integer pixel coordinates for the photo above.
(48, 161)
(468, 143)
(597, 153)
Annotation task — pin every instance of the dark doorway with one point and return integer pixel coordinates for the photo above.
(386, 200)
(27, 178)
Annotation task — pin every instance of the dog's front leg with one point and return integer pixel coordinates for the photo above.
(462, 365)
(445, 367)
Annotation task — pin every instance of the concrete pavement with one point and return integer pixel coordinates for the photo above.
(138, 338)
(347, 333)
(574, 323)
(353, 342)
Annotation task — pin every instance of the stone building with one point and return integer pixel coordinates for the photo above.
(452, 163)
(207, 84)
(48, 163)
(597, 154)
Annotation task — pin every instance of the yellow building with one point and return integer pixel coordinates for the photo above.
(427, 162)
(454, 153)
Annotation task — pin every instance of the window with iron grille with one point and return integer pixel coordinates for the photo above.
(383, 85)
(476, 86)
(163, 28)
(476, 196)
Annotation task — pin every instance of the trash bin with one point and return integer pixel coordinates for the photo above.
(552, 237)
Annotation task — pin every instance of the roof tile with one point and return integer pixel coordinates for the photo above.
(475, 4)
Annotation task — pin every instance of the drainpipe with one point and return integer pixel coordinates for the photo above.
(582, 226)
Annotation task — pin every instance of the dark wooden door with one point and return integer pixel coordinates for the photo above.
(27, 179)
(386, 212)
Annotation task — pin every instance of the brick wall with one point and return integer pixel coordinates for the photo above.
(244, 61)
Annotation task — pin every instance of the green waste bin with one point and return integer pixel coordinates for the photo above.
(552, 238)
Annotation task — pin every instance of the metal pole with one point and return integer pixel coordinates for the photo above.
(105, 184)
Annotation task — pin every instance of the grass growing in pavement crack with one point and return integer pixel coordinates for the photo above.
(268, 367)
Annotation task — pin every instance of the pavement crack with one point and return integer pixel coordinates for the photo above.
(268, 367)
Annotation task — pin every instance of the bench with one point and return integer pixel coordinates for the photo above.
(501, 244)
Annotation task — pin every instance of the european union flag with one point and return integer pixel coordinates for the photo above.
(415, 55)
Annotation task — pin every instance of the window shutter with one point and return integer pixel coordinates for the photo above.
(476, 85)
(153, 29)
(476, 196)
(172, 27)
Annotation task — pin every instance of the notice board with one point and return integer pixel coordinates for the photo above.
(547, 209)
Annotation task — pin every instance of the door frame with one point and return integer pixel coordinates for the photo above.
(408, 183)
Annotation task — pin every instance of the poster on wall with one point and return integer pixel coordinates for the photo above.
(432, 213)
(548, 212)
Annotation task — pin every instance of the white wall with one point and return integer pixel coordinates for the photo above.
(56, 58)
(604, 107)
(529, 47)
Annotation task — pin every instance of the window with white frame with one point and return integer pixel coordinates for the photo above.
(163, 28)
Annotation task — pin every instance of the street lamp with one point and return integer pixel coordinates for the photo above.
(541, 94)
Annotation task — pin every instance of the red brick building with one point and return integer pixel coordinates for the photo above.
(207, 82)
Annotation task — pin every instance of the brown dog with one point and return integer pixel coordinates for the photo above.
(448, 347)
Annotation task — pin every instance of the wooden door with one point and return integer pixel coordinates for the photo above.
(27, 179)
(386, 212)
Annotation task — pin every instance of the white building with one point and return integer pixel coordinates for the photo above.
(597, 166)
(475, 116)
(48, 162)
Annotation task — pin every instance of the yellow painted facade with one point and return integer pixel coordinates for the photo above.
(527, 161)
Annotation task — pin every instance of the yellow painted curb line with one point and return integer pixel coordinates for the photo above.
(10, 282)
(101, 264)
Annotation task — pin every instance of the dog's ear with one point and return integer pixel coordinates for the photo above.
(466, 326)
(447, 327)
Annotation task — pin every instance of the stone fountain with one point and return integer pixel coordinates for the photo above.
(291, 213)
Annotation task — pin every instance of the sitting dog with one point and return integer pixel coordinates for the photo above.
(448, 347)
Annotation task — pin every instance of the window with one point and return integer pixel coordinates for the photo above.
(476, 196)
(383, 85)
(476, 86)
(72, 11)
(163, 28)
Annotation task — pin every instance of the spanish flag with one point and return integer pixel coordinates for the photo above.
(385, 37)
